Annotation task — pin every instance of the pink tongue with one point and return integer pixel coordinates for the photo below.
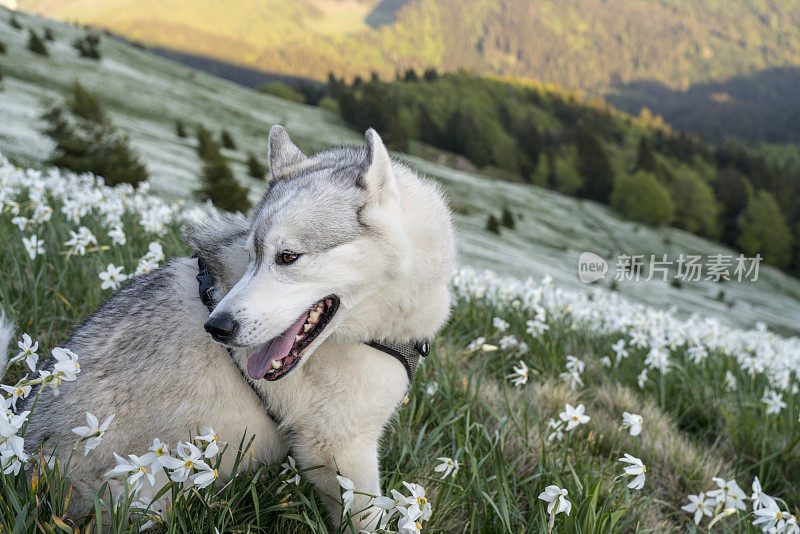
(259, 361)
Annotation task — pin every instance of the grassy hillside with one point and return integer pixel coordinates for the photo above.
(701, 407)
(145, 96)
(719, 403)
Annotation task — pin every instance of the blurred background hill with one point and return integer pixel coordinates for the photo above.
(719, 68)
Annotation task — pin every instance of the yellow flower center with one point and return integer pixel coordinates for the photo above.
(421, 501)
(644, 469)
(419, 527)
(160, 452)
(189, 464)
(779, 516)
(143, 470)
(20, 392)
(216, 473)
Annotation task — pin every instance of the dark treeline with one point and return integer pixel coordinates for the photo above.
(552, 138)
(87, 141)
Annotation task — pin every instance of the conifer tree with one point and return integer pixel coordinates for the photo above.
(36, 45)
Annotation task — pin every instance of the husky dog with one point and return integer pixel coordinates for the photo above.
(346, 247)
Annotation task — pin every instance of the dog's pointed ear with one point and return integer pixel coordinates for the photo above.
(283, 154)
(378, 178)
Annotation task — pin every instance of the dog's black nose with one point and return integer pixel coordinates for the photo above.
(221, 327)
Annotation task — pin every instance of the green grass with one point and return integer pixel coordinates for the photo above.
(695, 428)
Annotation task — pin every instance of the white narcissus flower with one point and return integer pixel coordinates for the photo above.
(117, 235)
(792, 526)
(699, 506)
(641, 380)
(557, 499)
(347, 495)
(204, 475)
(637, 470)
(774, 402)
(633, 422)
(432, 388)
(93, 432)
(112, 277)
(17, 392)
(574, 416)
(476, 344)
(447, 466)
(619, 349)
(145, 266)
(728, 492)
(20, 222)
(572, 378)
(520, 375)
(508, 342)
(390, 505)
(66, 366)
(500, 324)
(155, 253)
(770, 517)
(291, 468)
(758, 497)
(418, 501)
(189, 457)
(135, 469)
(557, 427)
(536, 327)
(12, 455)
(80, 240)
(408, 522)
(160, 452)
(27, 351)
(33, 246)
(208, 435)
(11, 423)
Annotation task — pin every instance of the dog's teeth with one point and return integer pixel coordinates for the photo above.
(297, 338)
(313, 316)
(276, 364)
(307, 327)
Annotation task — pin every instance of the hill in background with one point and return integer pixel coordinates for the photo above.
(597, 46)
(146, 96)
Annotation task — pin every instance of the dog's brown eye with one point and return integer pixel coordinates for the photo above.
(287, 257)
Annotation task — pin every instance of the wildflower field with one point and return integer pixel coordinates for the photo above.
(539, 409)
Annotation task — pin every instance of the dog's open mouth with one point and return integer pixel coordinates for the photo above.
(275, 358)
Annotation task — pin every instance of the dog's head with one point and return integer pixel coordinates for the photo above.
(328, 236)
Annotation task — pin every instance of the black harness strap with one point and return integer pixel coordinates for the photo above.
(407, 353)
